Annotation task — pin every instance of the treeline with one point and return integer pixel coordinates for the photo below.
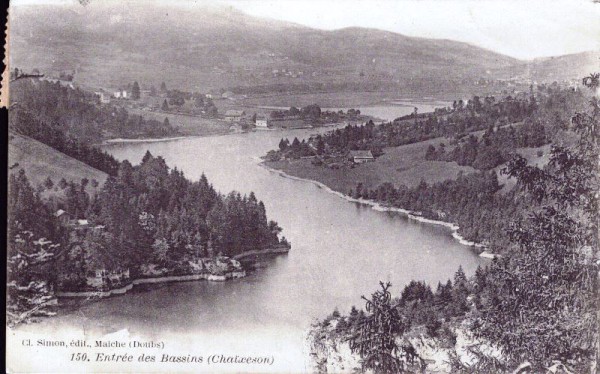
(418, 306)
(78, 113)
(495, 147)
(533, 114)
(471, 201)
(296, 149)
(310, 112)
(533, 309)
(351, 137)
(145, 215)
(53, 135)
(153, 206)
(313, 114)
(34, 237)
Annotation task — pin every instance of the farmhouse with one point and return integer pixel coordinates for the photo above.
(359, 157)
(104, 99)
(121, 94)
(234, 115)
(62, 216)
(262, 121)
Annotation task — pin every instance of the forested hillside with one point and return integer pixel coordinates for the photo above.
(482, 133)
(75, 221)
(56, 115)
(532, 310)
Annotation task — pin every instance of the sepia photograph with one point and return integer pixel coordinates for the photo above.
(302, 186)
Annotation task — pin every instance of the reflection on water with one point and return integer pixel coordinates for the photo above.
(340, 250)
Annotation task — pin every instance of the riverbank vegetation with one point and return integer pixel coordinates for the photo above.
(148, 216)
(423, 162)
(146, 220)
(535, 309)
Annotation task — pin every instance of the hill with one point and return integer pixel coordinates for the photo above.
(565, 67)
(216, 48)
(41, 161)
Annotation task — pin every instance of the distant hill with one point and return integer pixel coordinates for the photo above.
(217, 48)
(41, 161)
(203, 48)
(565, 67)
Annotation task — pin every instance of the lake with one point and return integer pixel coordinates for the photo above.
(340, 251)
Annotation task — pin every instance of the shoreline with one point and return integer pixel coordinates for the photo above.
(177, 278)
(144, 140)
(382, 208)
(153, 280)
(256, 252)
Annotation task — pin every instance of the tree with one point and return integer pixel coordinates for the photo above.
(163, 87)
(152, 91)
(283, 144)
(30, 234)
(375, 340)
(295, 143)
(135, 91)
(28, 289)
(48, 183)
(165, 106)
(543, 298)
(430, 154)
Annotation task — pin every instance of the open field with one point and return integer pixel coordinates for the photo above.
(188, 125)
(40, 162)
(404, 165)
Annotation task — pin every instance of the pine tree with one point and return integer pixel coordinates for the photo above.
(48, 184)
(375, 340)
(135, 91)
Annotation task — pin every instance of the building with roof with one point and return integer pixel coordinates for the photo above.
(360, 157)
(262, 121)
(234, 115)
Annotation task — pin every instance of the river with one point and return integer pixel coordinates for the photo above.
(340, 251)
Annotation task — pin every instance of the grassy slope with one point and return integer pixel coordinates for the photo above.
(188, 125)
(404, 165)
(41, 161)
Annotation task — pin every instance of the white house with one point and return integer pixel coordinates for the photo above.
(359, 157)
(104, 99)
(262, 121)
(121, 94)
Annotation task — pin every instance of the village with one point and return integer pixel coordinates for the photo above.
(221, 108)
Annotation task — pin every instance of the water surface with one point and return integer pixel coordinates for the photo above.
(340, 251)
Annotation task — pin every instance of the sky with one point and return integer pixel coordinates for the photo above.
(521, 29)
